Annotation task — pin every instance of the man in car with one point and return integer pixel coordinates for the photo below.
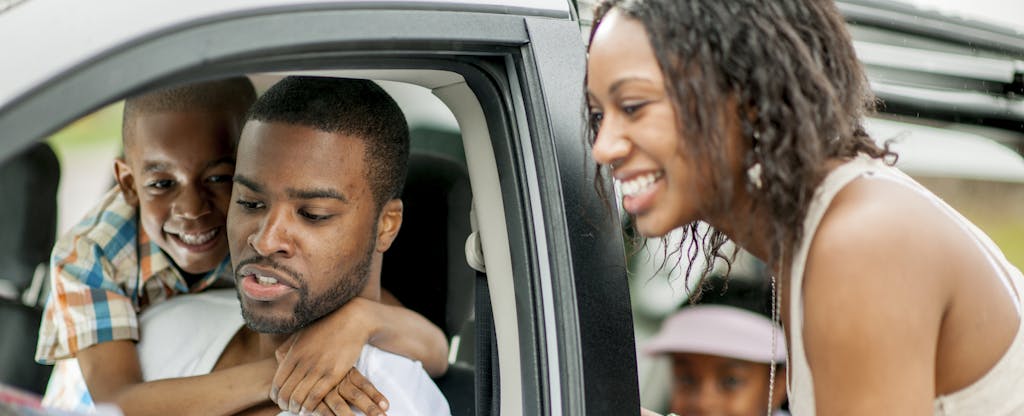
(161, 233)
(321, 166)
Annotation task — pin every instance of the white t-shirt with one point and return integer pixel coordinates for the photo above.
(185, 336)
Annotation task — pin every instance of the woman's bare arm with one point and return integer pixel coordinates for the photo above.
(874, 301)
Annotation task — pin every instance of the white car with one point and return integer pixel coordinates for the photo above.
(552, 329)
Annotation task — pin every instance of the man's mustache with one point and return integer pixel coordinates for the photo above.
(271, 263)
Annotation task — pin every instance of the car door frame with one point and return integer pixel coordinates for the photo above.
(573, 338)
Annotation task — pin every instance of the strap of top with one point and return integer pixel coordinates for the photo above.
(800, 384)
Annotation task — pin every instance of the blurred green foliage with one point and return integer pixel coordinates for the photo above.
(102, 128)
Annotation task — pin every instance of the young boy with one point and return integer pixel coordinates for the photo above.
(161, 233)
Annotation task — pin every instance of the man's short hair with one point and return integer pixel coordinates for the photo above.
(352, 107)
(232, 95)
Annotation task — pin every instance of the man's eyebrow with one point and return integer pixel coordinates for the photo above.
(316, 193)
(248, 183)
(230, 160)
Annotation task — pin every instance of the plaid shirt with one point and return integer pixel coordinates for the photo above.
(103, 272)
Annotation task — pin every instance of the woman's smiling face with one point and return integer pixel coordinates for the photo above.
(634, 121)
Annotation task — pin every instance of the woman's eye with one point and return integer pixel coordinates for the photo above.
(160, 184)
(632, 108)
(249, 205)
(595, 120)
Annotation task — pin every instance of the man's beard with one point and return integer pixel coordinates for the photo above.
(309, 307)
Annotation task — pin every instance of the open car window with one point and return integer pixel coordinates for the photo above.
(510, 77)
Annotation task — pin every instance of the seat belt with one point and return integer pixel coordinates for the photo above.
(488, 375)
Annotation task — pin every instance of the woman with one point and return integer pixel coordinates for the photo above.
(747, 114)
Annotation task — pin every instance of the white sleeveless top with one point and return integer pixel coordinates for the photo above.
(998, 392)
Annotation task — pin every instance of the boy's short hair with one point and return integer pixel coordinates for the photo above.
(353, 107)
(234, 95)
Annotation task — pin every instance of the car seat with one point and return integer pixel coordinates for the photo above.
(426, 268)
(28, 180)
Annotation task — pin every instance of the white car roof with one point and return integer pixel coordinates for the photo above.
(44, 38)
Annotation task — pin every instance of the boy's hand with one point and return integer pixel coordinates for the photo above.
(316, 365)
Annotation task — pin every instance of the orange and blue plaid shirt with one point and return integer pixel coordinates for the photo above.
(102, 274)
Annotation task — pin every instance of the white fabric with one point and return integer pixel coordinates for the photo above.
(179, 339)
(185, 336)
(998, 392)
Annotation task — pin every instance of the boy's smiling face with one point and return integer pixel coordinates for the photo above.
(178, 172)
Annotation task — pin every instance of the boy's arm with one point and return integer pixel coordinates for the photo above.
(313, 365)
(112, 372)
(111, 367)
(83, 283)
(85, 286)
(404, 326)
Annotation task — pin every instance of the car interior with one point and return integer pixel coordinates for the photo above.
(426, 268)
(29, 178)
(548, 303)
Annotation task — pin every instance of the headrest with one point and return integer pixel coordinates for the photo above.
(425, 267)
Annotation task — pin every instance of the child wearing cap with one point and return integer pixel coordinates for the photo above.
(722, 352)
(721, 361)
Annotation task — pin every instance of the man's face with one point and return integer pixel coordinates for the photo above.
(178, 171)
(303, 227)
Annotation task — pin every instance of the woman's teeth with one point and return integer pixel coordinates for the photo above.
(639, 183)
(198, 238)
(265, 281)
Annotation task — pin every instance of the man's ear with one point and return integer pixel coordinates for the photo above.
(126, 181)
(388, 224)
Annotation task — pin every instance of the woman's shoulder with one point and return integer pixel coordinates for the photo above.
(881, 237)
(874, 214)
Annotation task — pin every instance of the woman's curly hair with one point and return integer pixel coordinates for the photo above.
(799, 91)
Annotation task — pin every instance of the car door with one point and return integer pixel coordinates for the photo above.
(559, 338)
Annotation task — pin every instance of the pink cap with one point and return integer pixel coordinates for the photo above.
(724, 331)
